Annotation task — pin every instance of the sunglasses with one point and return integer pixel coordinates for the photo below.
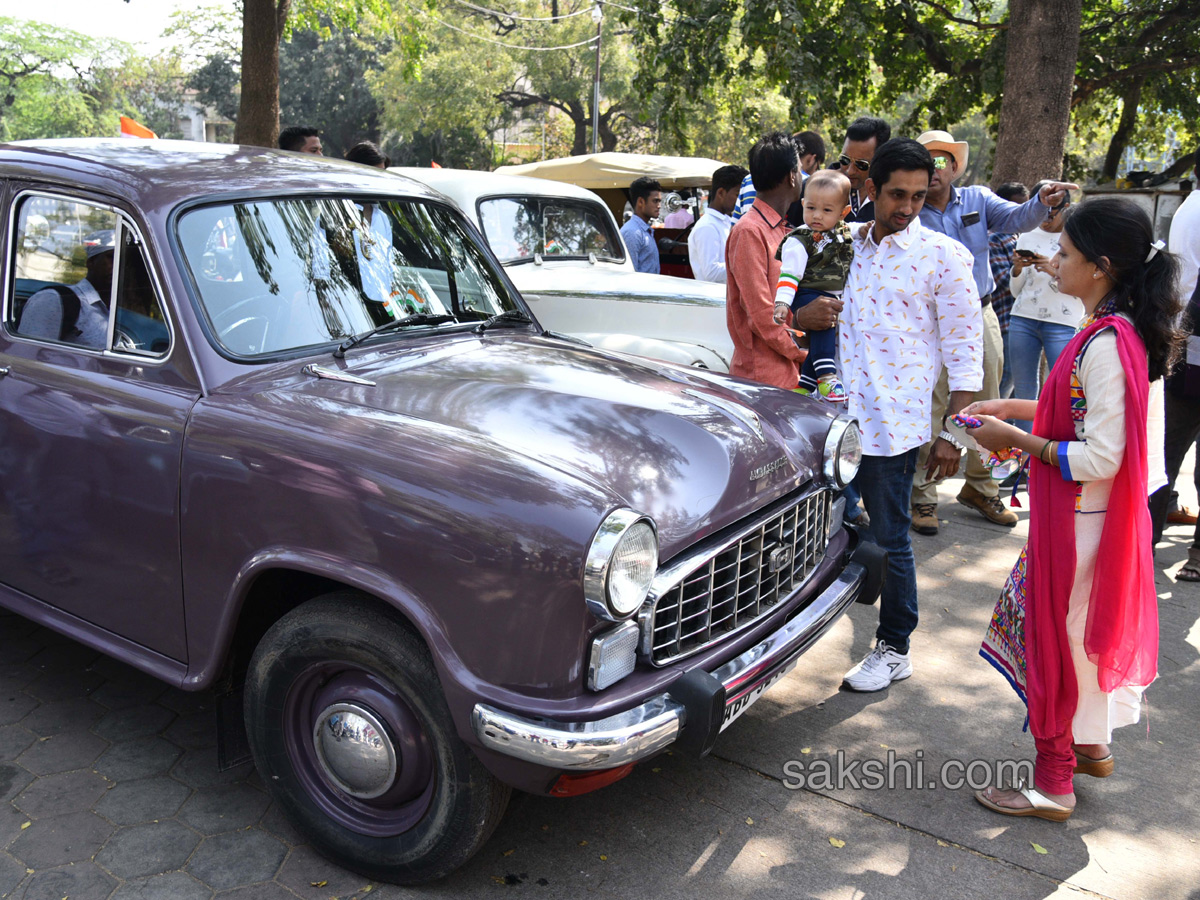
(863, 165)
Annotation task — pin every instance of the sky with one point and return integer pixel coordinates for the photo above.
(138, 21)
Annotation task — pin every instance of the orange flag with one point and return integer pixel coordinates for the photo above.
(433, 165)
(131, 129)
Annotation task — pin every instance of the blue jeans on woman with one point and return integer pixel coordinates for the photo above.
(885, 483)
(1027, 340)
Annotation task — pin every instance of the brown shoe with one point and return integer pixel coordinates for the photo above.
(991, 508)
(1182, 516)
(924, 518)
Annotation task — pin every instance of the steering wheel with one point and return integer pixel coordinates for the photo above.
(248, 326)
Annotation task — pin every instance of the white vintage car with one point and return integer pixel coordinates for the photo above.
(562, 249)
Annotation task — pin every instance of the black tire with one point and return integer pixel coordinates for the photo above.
(442, 804)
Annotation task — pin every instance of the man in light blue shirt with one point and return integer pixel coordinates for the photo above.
(646, 196)
(968, 215)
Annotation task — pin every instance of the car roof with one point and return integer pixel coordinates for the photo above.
(465, 186)
(162, 174)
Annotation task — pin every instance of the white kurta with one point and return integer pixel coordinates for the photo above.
(1094, 458)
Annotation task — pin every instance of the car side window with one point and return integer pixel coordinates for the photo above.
(81, 279)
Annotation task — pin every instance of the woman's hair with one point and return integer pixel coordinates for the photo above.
(1146, 288)
(369, 154)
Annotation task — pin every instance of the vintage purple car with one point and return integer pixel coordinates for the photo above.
(280, 427)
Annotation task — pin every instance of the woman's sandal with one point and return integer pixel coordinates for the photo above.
(1041, 808)
(1090, 765)
(1190, 570)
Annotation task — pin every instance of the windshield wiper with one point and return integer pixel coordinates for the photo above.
(414, 319)
(515, 316)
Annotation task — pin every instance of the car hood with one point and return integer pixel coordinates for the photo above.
(615, 282)
(693, 450)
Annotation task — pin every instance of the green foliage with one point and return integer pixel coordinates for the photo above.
(426, 126)
(216, 83)
(322, 82)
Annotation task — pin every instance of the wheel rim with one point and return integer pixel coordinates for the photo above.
(359, 750)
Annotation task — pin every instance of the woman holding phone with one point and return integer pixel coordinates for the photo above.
(1042, 319)
(1076, 628)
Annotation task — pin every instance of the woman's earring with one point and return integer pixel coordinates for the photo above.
(1095, 274)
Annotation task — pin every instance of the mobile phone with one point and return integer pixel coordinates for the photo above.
(1026, 254)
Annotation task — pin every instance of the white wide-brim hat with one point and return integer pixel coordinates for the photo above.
(944, 140)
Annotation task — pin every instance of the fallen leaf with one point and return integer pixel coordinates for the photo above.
(806, 749)
(583, 843)
(943, 844)
(603, 857)
(509, 852)
(1039, 848)
(656, 769)
(883, 746)
(318, 883)
(749, 821)
(837, 843)
(497, 879)
(26, 825)
(367, 889)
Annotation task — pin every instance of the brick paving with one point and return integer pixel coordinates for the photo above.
(109, 788)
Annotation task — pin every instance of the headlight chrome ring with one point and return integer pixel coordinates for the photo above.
(843, 451)
(621, 563)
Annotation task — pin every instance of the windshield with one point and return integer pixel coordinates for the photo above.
(554, 227)
(278, 275)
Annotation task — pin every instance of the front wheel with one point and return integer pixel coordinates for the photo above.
(350, 730)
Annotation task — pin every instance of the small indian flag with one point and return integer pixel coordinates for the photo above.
(131, 129)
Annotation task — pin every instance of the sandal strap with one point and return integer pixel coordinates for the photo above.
(1038, 800)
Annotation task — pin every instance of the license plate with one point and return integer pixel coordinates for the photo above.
(735, 708)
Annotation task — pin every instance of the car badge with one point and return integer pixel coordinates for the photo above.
(743, 414)
(763, 471)
(779, 559)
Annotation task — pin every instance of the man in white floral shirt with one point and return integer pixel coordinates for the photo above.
(911, 306)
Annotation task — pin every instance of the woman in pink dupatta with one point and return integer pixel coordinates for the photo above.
(1076, 630)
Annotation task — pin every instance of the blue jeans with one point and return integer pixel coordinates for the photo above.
(822, 345)
(1027, 340)
(885, 484)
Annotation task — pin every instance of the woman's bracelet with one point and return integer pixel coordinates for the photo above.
(1042, 452)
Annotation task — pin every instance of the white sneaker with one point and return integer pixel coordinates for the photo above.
(879, 668)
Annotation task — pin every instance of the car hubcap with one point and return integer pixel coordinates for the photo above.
(355, 750)
(358, 748)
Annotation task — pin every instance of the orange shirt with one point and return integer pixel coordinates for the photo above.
(762, 350)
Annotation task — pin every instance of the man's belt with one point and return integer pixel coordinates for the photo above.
(987, 301)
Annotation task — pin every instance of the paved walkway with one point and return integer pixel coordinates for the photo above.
(109, 784)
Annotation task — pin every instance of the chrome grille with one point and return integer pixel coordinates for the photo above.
(740, 582)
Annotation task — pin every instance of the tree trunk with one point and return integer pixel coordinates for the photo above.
(258, 114)
(579, 118)
(1124, 133)
(1039, 73)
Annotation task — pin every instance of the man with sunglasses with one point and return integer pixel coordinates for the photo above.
(969, 215)
(863, 136)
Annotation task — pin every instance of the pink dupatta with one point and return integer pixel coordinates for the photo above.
(1121, 637)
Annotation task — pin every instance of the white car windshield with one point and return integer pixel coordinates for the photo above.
(517, 228)
(277, 275)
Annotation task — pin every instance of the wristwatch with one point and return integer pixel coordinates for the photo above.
(949, 438)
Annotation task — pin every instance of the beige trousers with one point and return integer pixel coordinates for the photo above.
(977, 474)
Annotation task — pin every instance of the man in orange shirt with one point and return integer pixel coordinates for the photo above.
(763, 350)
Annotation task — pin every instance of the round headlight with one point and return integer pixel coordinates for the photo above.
(620, 566)
(843, 451)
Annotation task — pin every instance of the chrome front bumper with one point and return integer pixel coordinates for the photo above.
(649, 728)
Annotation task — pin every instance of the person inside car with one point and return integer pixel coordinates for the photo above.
(78, 313)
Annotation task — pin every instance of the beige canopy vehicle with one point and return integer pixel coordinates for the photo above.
(610, 174)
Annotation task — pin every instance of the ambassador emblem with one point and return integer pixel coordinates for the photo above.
(763, 471)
